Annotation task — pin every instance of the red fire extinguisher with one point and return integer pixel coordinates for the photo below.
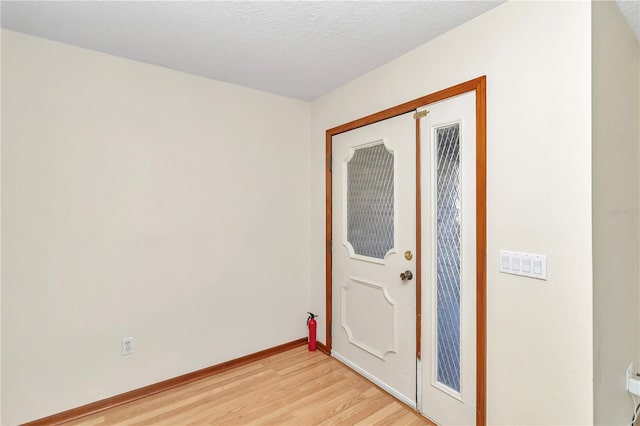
(311, 323)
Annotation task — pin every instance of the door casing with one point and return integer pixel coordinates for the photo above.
(479, 86)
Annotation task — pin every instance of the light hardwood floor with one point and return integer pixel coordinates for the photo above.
(296, 387)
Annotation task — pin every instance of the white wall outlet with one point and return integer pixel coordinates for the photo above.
(633, 381)
(126, 346)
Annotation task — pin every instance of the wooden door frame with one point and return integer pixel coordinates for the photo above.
(477, 85)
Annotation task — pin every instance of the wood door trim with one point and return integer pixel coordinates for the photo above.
(479, 86)
(481, 251)
(134, 395)
(418, 247)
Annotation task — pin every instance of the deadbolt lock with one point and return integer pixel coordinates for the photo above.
(408, 255)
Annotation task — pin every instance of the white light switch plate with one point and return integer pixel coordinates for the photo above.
(523, 264)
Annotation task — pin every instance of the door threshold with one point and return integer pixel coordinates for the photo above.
(382, 385)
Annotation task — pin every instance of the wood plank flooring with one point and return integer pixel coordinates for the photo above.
(296, 387)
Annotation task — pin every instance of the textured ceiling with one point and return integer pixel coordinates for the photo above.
(301, 49)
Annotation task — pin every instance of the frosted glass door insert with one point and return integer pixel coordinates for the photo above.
(448, 255)
(370, 209)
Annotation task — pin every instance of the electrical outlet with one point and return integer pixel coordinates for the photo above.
(126, 346)
(633, 381)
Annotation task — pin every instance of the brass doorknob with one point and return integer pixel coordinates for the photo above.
(406, 276)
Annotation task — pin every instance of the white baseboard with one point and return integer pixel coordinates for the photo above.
(375, 380)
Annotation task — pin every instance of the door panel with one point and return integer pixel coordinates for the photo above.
(373, 223)
(448, 192)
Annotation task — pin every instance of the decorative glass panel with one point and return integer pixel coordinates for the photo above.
(370, 201)
(448, 254)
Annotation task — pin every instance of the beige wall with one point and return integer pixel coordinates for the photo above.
(537, 58)
(139, 201)
(616, 139)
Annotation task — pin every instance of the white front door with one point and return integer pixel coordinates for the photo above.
(448, 222)
(374, 237)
